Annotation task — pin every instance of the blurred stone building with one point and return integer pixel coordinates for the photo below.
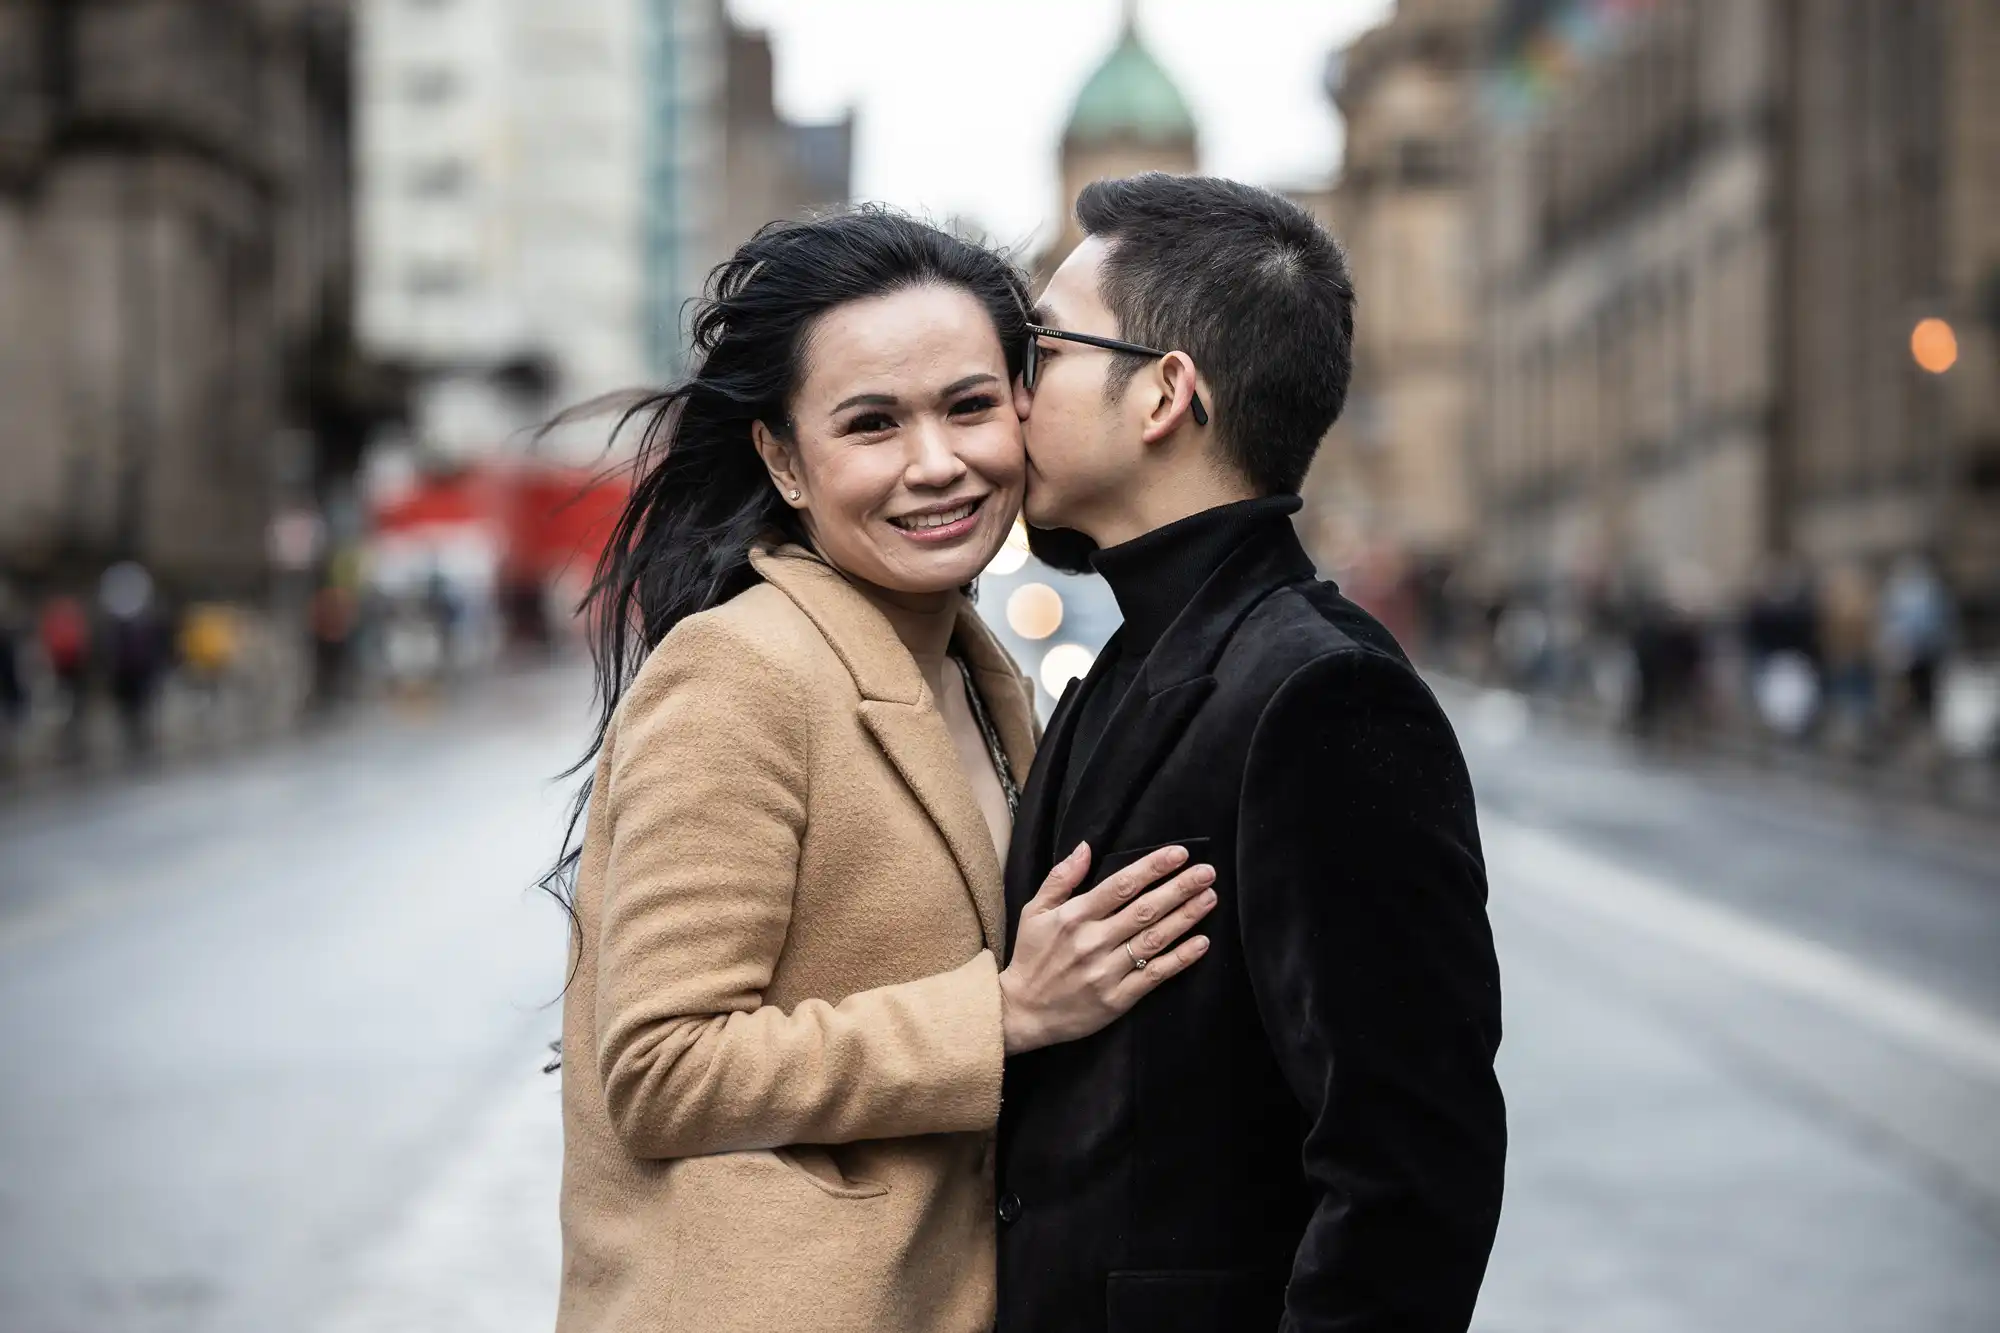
(1891, 215)
(175, 259)
(1393, 474)
(1129, 117)
(772, 167)
(1706, 231)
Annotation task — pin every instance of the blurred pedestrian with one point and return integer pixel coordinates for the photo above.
(331, 619)
(1782, 649)
(1847, 623)
(13, 688)
(63, 633)
(1670, 660)
(1914, 636)
(210, 646)
(135, 650)
(445, 607)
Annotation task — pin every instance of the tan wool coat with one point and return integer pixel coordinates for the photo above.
(782, 1042)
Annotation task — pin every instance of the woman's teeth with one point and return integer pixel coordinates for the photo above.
(919, 522)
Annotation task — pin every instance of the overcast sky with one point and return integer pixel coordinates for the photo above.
(961, 103)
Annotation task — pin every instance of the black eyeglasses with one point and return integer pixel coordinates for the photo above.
(1033, 361)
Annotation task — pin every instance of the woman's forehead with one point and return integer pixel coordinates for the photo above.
(922, 337)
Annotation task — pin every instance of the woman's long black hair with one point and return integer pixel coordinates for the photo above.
(701, 496)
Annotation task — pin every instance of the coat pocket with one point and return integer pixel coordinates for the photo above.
(1190, 1299)
(819, 1168)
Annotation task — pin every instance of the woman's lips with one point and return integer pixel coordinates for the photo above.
(943, 532)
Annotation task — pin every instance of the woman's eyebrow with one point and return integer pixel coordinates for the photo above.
(866, 400)
(960, 386)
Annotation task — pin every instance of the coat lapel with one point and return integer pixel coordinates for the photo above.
(1175, 680)
(898, 710)
(1140, 733)
(914, 738)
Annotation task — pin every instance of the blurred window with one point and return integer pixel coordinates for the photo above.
(431, 86)
(436, 279)
(1425, 162)
(442, 179)
(563, 50)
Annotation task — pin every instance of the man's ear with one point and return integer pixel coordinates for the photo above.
(778, 461)
(1173, 377)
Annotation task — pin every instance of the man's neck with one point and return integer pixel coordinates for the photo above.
(1155, 506)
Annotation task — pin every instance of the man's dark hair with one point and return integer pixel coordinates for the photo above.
(1250, 286)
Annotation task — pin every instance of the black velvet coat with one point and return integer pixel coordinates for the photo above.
(1302, 1132)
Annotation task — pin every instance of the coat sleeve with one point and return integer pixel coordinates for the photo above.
(708, 798)
(1362, 906)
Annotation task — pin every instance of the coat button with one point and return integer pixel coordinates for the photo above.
(1010, 1207)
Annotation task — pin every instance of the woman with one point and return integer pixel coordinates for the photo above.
(785, 1026)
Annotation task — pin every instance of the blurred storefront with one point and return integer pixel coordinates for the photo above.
(462, 565)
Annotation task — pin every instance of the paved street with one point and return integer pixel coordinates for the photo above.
(272, 1031)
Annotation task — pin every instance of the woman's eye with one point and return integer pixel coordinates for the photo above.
(871, 423)
(966, 407)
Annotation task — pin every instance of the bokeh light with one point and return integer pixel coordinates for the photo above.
(1934, 345)
(1012, 556)
(1064, 663)
(1035, 611)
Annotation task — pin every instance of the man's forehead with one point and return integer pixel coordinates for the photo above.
(1072, 294)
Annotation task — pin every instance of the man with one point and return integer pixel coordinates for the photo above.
(1303, 1131)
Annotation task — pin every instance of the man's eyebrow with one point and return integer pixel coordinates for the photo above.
(866, 400)
(960, 386)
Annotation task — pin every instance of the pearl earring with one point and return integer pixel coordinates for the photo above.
(796, 494)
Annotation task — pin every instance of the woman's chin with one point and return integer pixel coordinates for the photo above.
(937, 572)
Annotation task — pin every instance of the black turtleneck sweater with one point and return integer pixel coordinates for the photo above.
(1154, 577)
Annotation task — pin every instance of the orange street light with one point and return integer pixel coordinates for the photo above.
(1934, 345)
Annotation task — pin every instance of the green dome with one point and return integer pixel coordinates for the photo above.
(1130, 96)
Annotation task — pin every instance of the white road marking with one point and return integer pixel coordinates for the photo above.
(1531, 861)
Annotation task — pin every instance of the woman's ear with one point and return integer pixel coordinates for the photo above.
(778, 461)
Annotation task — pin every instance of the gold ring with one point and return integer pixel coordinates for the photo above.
(1138, 963)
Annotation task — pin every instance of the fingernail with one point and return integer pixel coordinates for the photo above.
(1081, 848)
(1200, 943)
(1177, 854)
(1204, 874)
(1208, 898)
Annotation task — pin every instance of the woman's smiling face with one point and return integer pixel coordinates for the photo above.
(905, 440)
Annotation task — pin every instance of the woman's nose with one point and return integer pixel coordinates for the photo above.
(933, 462)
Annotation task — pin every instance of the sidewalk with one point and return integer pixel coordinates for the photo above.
(187, 723)
(192, 729)
(1961, 798)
